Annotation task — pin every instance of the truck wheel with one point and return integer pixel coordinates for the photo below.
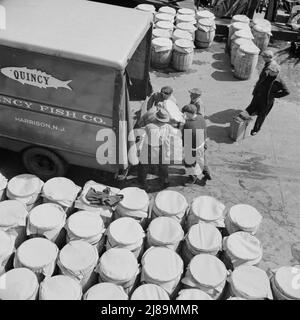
(44, 163)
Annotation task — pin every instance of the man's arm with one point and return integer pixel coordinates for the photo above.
(282, 90)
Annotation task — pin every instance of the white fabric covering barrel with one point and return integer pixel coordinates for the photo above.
(244, 33)
(185, 18)
(235, 44)
(126, 233)
(169, 203)
(105, 291)
(19, 284)
(3, 184)
(185, 26)
(205, 14)
(135, 204)
(13, 216)
(241, 18)
(168, 10)
(243, 217)
(193, 294)
(86, 226)
(181, 34)
(285, 283)
(78, 259)
(205, 33)
(165, 25)
(201, 238)
(149, 291)
(118, 266)
(162, 266)
(250, 283)
(60, 287)
(145, 7)
(7, 248)
(241, 248)
(62, 191)
(183, 54)
(206, 209)
(161, 52)
(164, 232)
(186, 11)
(160, 33)
(235, 26)
(38, 255)
(25, 188)
(47, 220)
(262, 35)
(164, 17)
(207, 273)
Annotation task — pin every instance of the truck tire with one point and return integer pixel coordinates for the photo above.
(44, 163)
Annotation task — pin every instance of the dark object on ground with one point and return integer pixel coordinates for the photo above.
(104, 198)
(295, 48)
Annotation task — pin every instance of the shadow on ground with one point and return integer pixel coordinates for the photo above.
(219, 134)
(224, 116)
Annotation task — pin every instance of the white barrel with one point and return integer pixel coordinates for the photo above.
(86, 226)
(149, 291)
(193, 294)
(78, 259)
(146, 7)
(60, 287)
(235, 44)
(19, 284)
(243, 33)
(118, 266)
(135, 204)
(38, 255)
(241, 248)
(183, 54)
(186, 11)
(235, 26)
(245, 61)
(164, 267)
(168, 10)
(161, 52)
(207, 273)
(201, 238)
(262, 35)
(3, 184)
(262, 22)
(185, 18)
(160, 33)
(7, 248)
(205, 14)
(242, 217)
(47, 220)
(62, 191)
(205, 33)
(181, 34)
(189, 27)
(169, 203)
(25, 188)
(206, 209)
(240, 18)
(105, 291)
(13, 216)
(165, 25)
(250, 283)
(164, 232)
(164, 17)
(284, 283)
(126, 233)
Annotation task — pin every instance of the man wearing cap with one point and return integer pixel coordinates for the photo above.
(157, 98)
(195, 95)
(194, 141)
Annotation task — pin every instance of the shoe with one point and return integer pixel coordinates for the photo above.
(253, 133)
(206, 174)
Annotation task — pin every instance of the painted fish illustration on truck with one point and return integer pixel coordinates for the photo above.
(35, 78)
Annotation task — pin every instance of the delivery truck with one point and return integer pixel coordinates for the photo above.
(72, 74)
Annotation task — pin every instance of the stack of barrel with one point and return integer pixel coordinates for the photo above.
(206, 29)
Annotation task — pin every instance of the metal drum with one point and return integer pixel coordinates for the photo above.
(205, 33)
(161, 52)
(183, 55)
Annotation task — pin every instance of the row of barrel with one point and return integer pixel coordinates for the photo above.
(176, 33)
(245, 41)
(56, 244)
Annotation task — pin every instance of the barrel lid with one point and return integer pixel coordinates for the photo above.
(78, 255)
(168, 201)
(136, 198)
(161, 33)
(126, 231)
(186, 11)
(241, 41)
(165, 230)
(162, 264)
(166, 9)
(241, 18)
(3, 181)
(185, 18)
(146, 7)
(240, 26)
(60, 188)
(164, 17)
(205, 237)
(208, 270)
(244, 246)
(202, 14)
(193, 294)
(106, 291)
(206, 22)
(208, 208)
(47, 216)
(12, 213)
(119, 264)
(164, 25)
(249, 48)
(245, 216)
(285, 280)
(6, 244)
(182, 34)
(262, 28)
(251, 282)
(85, 224)
(60, 287)
(20, 284)
(149, 291)
(186, 26)
(37, 253)
(244, 33)
(24, 185)
(263, 22)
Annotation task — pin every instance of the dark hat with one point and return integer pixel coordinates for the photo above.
(196, 91)
(190, 108)
(267, 53)
(166, 90)
(162, 115)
